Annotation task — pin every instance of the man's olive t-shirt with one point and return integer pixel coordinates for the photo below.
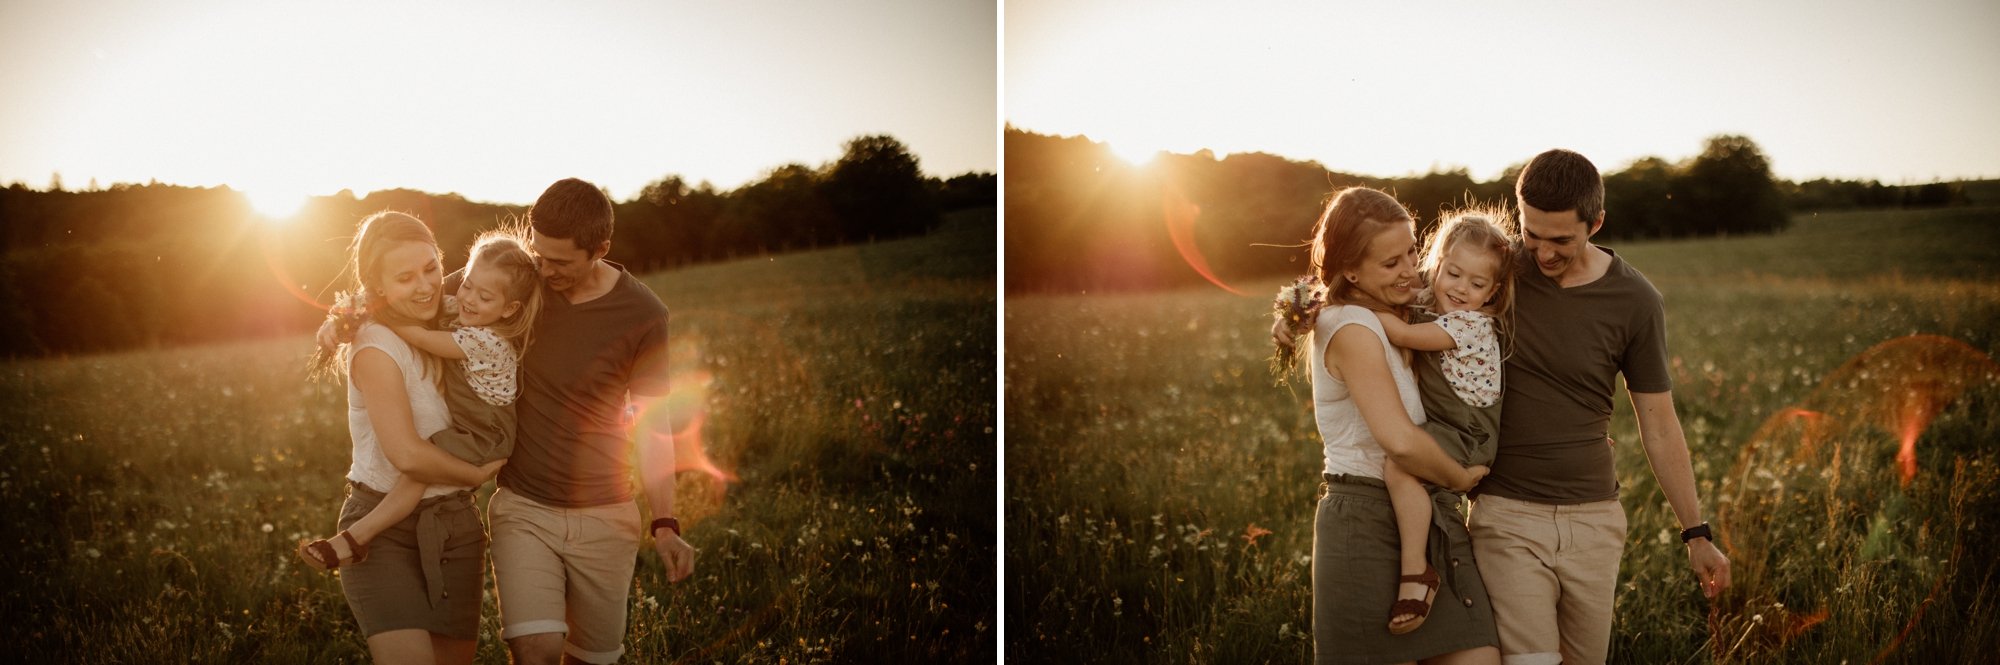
(574, 446)
(1569, 344)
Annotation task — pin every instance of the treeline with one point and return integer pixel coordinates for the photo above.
(1080, 218)
(161, 265)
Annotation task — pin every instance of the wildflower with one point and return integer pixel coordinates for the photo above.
(1296, 307)
(1253, 532)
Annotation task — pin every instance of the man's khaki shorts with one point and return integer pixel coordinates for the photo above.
(1552, 574)
(564, 570)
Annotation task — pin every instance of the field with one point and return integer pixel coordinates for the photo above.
(1160, 489)
(154, 498)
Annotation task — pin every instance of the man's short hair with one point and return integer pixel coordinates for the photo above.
(573, 210)
(1560, 180)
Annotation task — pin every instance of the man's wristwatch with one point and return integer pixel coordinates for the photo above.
(675, 524)
(1697, 531)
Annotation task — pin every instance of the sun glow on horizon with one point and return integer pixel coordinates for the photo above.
(1132, 152)
(1378, 103)
(276, 206)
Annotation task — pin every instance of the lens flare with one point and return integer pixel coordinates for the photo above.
(266, 242)
(1180, 214)
(1831, 478)
(686, 404)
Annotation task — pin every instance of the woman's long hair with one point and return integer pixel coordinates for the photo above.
(378, 234)
(1340, 238)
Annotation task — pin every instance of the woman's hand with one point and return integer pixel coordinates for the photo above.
(328, 336)
(488, 470)
(1281, 336)
(1473, 474)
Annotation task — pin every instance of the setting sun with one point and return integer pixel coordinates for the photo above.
(275, 205)
(1132, 153)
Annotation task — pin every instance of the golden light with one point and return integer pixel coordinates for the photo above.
(1132, 153)
(275, 205)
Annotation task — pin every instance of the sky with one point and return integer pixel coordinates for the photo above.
(491, 100)
(1901, 93)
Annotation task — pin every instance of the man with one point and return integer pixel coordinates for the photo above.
(564, 527)
(1547, 528)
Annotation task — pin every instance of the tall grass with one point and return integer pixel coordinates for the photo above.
(1148, 454)
(155, 497)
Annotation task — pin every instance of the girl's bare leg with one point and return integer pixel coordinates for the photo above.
(396, 505)
(1412, 505)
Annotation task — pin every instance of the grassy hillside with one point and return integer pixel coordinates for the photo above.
(156, 497)
(1160, 489)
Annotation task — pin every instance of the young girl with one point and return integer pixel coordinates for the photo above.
(1468, 264)
(496, 305)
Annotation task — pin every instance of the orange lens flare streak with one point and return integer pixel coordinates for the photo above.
(284, 276)
(1180, 215)
(690, 451)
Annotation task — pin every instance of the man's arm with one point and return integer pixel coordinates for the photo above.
(657, 464)
(1667, 451)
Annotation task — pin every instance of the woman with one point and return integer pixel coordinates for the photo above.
(416, 588)
(1366, 403)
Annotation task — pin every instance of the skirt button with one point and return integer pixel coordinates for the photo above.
(1468, 602)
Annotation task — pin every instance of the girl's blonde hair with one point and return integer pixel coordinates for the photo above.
(506, 249)
(1489, 229)
(1340, 237)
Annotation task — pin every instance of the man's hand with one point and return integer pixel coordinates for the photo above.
(1710, 566)
(675, 553)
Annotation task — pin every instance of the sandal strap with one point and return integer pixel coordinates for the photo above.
(360, 551)
(1410, 606)
(1427, 578)
(323, 551)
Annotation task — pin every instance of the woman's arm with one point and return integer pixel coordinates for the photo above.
(381, 384)
(439, 343)
(1417, 336)
(1358, 355)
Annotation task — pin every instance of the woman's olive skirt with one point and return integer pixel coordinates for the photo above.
(425, 572)
(1354, 568)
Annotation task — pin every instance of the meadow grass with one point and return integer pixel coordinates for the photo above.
(155, 497)
(1160, 489)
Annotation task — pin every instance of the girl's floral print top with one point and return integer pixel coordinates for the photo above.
(1473, 368)
(490, 364)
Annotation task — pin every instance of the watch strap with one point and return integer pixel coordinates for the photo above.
(667, 522)
(1697, 531)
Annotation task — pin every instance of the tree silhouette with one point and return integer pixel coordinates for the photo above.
(1728, 188)
(1638, 201)
(876, 190)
